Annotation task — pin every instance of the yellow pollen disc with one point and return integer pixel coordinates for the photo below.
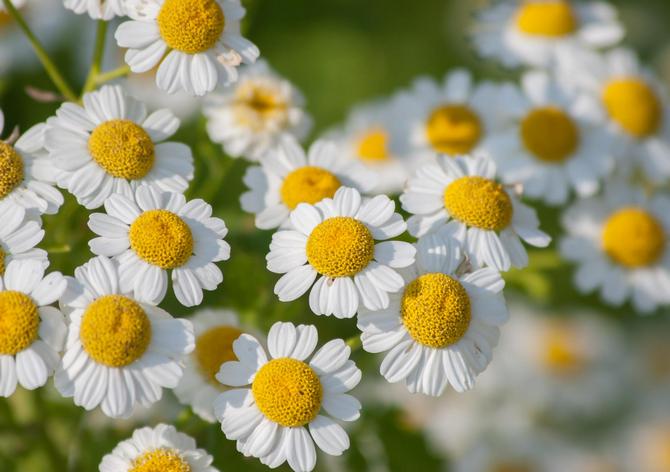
(633, 105)
(160, 460)
(115, 331)
(288, 392)
(123, 149)
(308, 184)
(373, 146)
(19, 322)
(11, 169)
(256, 104)
(213, 348)
(479, 202)
(633, 237)
(340, 247)
(161, 238)
(542, 18)
(453, 129)
(435, 310)
(5, 18)
(191, 26)
(562, 354)
(549, 134)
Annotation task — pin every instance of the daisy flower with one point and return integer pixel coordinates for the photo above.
(19, 234)
(288, 177)
(110, 146)
(620, 242)
(162, 448)
(156, 232)
(484, 216)
(97, 9)
(532, 32)
(32, 332)
(548, 147)
(249, 118)
(334, 240)
(281, 409)
(196, 44)
(120, 351)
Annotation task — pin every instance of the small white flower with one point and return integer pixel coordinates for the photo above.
(97, 9)
(281, 410)
(19, 234)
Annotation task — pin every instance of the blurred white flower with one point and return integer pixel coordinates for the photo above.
(97, 9)
(19, 234)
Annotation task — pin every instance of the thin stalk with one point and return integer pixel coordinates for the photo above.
(98, 56)
(112, 74)
(354, 342)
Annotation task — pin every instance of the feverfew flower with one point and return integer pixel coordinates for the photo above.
(97, 9)
(19, 234)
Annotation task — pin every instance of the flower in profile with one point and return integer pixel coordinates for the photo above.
(280, 407)
(19, 234)
(196, 44)
(97, 9)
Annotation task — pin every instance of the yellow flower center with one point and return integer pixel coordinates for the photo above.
(633, 105)
(160, 460)
(11, 169)
(633, 237)
(213, 348)
(373, 146)
(191, 26)
(549, 134)
(562, 354)
(5, 18)
(161, 238)
(255, 104)
(288, 392)
(435, 310)
(453, 129)
(123, 149)
(308, 184)
(19, 322)
(115, 331)
(542, 18)
(340, 247)
(479, 202)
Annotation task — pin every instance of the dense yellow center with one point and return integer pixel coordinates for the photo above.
(213, 348)
(11, 169)
(549, 134)
(308, 184)
(479, 202)
(453, 129)
(633, 237)
(123, 149)
(633, 105)
(19, 322)
(561, 353)
(435, 310)
(160, 460)
(340, 247)
(288, 392)
(191, 26)
(373, 146)
(256, 104)
(115, 331)
(161, 238)
(542, 18)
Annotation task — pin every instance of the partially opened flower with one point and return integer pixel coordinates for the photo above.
(285, 403)
(19, 234)
(97, 9)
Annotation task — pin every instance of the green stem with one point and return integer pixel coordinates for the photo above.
(98, 55)
(51, 69)
(62, 249)
(112, 74)
(354, 342)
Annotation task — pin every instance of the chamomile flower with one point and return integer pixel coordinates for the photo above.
(288, 177)
(32, 332)
(548, 147)
(486, 218)
(285, 404)
(333, 242)
(156, 232)
(97, 9)
(162, 448)
(110, 146)
(249, 118)
(196, 44)
(620, 243)
(532, 32)
(19, 234)
(121, 350)
(441, 327)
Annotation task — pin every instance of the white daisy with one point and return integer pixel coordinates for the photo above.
(620, 242)
(32, 332)
(156, 232)
(19, 234)
(532, 32)
(110, 146)
(335, 241)
(97, 9)
(162, 448)
(120, 351)
(249, 118)
(196, 44)
(281, 410)
(288, 177)
(486, 218)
